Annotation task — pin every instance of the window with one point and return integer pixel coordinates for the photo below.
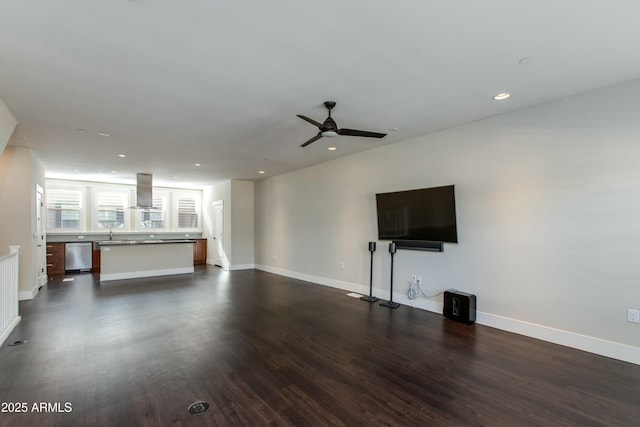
(151, 219)
(79, 206)
(187, 212)
(111, 207)
(64, 208)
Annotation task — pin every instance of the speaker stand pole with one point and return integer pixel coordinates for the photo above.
(370, 298)
(390, 303)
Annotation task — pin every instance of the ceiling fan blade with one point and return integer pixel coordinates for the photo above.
(315, 138)
(313, 122)
(353, 132)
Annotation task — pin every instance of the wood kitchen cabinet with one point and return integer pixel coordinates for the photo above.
(55, 260)
(95, 259)
(200, 252)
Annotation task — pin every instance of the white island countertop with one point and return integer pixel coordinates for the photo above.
(128, 259)
(141, 242)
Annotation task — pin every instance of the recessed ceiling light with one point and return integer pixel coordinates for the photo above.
(260, 171)
(526, 60)
(175, 177)
(103, 134)
(332, 148)
(21, 137)
(81, 130)
(501, 96)
(198, 165)
(114, 171)
(122, 155)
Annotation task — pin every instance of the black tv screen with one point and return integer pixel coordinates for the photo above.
(427, 214)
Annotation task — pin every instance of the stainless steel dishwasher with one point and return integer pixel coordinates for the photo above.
(78, 256)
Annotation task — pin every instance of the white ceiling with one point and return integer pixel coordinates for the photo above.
(219, 83)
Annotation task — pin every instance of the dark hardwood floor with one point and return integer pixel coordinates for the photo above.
(262, 349)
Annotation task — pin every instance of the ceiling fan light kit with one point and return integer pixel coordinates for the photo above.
(329, 128)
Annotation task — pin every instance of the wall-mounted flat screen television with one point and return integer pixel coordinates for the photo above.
(427, 214)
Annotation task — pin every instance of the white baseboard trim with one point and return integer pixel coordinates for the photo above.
(42, 280)
(27, 295)
(211, 261)
(145, 273)
(586, 343)
(349, 286)
(5, 334)
(242, 267)
(614, 350)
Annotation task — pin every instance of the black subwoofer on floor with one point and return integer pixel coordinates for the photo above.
(459, 306)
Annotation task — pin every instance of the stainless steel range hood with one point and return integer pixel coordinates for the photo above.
(144, 191)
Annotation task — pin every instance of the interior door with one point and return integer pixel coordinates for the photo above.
(41, 272)
(218, 236)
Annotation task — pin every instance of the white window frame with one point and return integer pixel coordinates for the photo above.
(184, 194)
(125, 193)
(166, 208)
(82, 211)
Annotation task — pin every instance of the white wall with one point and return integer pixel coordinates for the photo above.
(7, 125)
(242, 219)
(548, 208)
(20, 171)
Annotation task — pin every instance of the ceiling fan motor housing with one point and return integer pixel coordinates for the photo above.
(329, 125)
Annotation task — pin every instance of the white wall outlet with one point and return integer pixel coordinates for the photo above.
(152, 235)
(80, 237)
(633, 316)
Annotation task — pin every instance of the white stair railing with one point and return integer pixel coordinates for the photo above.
(8, 293)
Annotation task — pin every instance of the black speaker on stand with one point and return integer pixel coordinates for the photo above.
(371, 298)
(390, 303)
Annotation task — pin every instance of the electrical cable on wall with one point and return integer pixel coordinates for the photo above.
(415, 290)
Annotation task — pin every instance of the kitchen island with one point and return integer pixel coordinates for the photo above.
(128, 259)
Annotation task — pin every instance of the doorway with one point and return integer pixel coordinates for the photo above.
(41, 273)
(218, 234)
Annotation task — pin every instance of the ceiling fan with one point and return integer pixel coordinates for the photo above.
(329, 128)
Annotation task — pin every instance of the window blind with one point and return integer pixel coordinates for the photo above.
(154, 218)
(110, 210)
(187, 213)
(63, 209)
